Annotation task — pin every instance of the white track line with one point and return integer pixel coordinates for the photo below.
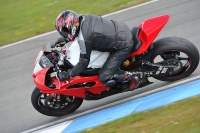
(28, 39)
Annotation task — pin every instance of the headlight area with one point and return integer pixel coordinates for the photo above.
(45, 62)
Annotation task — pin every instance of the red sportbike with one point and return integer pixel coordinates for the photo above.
(167, 59)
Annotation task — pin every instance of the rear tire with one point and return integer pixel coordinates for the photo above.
(47, 109)
(177, 44)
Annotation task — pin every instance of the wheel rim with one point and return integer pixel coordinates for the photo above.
(46, 101)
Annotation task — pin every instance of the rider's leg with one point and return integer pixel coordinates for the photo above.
(110, 72)
(113, 62)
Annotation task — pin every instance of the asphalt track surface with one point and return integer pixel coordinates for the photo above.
(17, 61)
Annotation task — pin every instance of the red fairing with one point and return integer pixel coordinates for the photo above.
(149, 31)
(77, 92)
(39, 80)
(97, 88)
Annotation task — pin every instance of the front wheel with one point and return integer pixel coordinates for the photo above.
(51, 106)
(179, 49)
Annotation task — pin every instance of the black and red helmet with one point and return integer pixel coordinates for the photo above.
(67, 24)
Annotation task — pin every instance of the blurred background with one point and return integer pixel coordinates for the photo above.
(25, 18)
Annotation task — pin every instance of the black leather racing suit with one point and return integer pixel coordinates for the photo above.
(97, 33)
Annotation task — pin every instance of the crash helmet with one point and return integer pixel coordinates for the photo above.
(67, 24)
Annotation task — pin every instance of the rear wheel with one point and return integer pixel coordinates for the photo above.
(51, 106)
(179, 49)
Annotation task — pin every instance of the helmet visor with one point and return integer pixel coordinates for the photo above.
(64, 32)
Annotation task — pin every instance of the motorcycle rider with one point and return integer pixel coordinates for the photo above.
(97, 33)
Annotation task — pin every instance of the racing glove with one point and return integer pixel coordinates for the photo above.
(65, 75)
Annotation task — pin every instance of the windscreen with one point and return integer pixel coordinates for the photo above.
(42, 61)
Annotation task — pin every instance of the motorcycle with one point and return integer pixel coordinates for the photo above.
(167, 59)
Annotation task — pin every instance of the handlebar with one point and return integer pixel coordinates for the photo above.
(58, 51)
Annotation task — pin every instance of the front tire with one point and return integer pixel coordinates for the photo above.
(174, 48)
(46, 105)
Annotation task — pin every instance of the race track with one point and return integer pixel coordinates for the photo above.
(17, 61)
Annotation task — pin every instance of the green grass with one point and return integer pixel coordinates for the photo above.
(20, 19)
(180, 117)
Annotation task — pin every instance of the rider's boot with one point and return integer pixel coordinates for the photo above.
(134, 78)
